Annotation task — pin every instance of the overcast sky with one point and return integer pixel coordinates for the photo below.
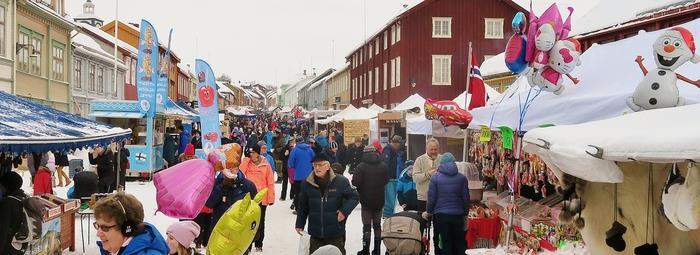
(268, 41)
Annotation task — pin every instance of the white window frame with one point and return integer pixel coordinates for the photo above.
(440, 75)
(442, 27)
(376, 46)
(370, 51)
(386, 39)
(393, 71)
(362, 85)
(369, 82)
(393, 34)
(3, 25)
(398, 32)
(396, 72)
(385, 75)
(494, 22)
(376, 80)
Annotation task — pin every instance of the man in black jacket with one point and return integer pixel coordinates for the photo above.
(354, 154)
(370, 178)
(10, 211)
(326, 199)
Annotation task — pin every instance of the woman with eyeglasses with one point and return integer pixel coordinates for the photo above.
(121, 230)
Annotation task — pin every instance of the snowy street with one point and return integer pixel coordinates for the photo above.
(280, 237)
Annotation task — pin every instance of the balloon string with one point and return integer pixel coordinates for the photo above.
(615, 201)
(646, 232)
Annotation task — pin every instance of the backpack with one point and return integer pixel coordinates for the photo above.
(29, 230)
(402, 234)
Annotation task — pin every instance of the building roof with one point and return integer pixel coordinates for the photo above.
(66, 20)
(137, 31)
(107, 38)
(644, 11)
(606, 14)
(317, 83)
(87, 45)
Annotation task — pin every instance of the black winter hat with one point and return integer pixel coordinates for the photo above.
(613, 237)
(321, 157)
(12, 181)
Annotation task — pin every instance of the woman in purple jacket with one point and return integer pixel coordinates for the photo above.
(448, 201)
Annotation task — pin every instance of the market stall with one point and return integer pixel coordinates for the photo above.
(638, 152)
(148, 132)
(26, 126)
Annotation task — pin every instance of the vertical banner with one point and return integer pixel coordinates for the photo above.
(146, 69)
(163, 77)
(207, 96)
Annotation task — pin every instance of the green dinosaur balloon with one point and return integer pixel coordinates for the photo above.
(236, 229)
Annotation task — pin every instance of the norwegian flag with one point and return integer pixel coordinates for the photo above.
(476, 86)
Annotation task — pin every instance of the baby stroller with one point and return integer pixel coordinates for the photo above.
(405, 233)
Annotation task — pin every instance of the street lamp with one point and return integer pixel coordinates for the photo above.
(29, 47)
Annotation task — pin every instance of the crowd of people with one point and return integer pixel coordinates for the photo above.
(312, 173)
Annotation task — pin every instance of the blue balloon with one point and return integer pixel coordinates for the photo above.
(515, 54)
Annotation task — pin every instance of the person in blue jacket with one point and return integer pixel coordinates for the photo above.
(406, 189)
(121, 230)
(268, 156)
(393, 156)
(322, 140)
(231, 185)
(448, 202)
(300, 161)
(267, 137)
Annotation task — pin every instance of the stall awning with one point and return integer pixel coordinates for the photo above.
(122, 115)
(26, 126)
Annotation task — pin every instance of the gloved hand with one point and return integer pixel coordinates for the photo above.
(427, 216)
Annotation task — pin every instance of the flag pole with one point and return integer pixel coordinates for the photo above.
(466, 105)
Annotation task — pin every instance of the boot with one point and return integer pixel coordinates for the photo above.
(377, 246)
(365, 244)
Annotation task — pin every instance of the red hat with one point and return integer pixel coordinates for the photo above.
(189, 150)
(687, 37)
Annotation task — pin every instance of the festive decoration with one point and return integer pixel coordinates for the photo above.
(517, 44)
(181, 190)
(550, 53)
(235, 230)
(447, 112)
(658, 89)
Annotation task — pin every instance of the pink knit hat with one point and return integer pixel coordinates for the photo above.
(184, 232)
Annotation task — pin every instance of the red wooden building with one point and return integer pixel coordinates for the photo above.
(424, 50)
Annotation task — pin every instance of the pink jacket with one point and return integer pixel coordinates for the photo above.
(262, 176)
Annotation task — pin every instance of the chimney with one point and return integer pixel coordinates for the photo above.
(304, 72)
(405, 6)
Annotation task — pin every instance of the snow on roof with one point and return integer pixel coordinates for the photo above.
(607, 14)
(104, 35)
(319, 82)
(494, 65)
(69, 21)
(223, 88)
(87, 45)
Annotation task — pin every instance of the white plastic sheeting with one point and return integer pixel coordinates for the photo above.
(608, 75)
(338, 116)
(658, 136)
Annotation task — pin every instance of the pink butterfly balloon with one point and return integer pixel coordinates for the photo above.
(182, 190)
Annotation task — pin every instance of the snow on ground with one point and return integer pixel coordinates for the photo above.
(280, 236)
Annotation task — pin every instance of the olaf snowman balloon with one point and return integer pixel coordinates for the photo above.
(658, 89)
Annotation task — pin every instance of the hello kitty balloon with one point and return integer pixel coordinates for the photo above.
(658, 88)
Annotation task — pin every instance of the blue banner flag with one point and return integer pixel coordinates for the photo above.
(207, 96)
(147, 69)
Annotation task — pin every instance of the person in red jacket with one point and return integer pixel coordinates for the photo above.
(42, 181)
